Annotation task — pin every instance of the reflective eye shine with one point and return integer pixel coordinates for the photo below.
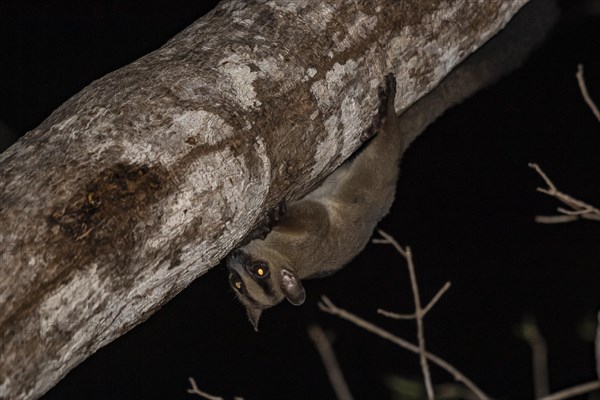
(236, 282)
(259, 270)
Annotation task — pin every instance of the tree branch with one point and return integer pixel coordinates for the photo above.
(427, 308)
(584, 92)
(330, 308)
(579, 209)
(598, 347)
(195, 390)
(334, 372)
(539, 356)
(419, 312)
(574, 391)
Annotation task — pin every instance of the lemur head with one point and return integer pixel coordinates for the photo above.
(261, 278)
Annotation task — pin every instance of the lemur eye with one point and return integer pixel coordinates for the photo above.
(236, 282)
(259, 270)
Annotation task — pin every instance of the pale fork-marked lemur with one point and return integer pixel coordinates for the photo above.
(327, 228)
(318, 234)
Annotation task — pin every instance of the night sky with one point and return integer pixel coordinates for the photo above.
(466, 201)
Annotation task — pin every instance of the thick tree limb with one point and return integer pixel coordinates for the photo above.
(152, 174)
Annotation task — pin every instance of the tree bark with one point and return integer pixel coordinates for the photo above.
(149, 176)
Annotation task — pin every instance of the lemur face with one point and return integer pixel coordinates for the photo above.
(260, 280)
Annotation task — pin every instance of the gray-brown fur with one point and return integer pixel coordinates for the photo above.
(322, 232)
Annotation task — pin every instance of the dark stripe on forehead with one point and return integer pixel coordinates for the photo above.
(244, 293)
(268, 295)
(244, 260)
(266, 286)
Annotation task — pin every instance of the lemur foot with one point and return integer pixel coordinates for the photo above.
(273, 216)
(386, 94)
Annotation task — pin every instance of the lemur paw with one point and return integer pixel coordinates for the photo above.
(273, 216)
(386, 94)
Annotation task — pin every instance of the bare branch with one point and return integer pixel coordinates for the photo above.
(334, 372)
(598, 347)
(579, 209)
(584, 92)
(427, 308)
(554, 219)
(327, 306)
(393, 243)
(574, 213)
(531, 334)
(407, 254)
(574, 391)
(194, 390)
(197, 391)
(437, 297)
(393, 315)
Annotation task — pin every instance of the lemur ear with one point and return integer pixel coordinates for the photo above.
(292, 287)
(253, 316)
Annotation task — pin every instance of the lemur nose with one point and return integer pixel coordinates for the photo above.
(234, 259)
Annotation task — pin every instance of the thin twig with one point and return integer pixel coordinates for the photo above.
(420, 326)
(428, 307)
(584, 92)
(539, 357)
(584, 387)
(555, 219)
(398, 248)
(574, 391)
(194, 390)
(573, 213)
(437, 297)
(327, 306)
(334, 372)
(579, 209)
(418, 311)
(393, 315)
(598, 347)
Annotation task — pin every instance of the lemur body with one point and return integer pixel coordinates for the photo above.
(323, 231)
(328, 227)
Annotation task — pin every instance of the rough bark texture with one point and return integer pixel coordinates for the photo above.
(152, 174)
